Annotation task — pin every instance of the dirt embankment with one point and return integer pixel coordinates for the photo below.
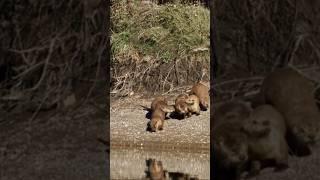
(158, 47)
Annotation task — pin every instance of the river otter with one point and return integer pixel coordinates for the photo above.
(202, 91)
(193, 104)
(158, 101)
(181, 107)
(155, 170)
(230, 150)
(292, 95)
(230, 109)
(159, 108)
(266, 131)
(230, 142)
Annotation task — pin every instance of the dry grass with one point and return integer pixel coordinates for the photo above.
(157, 47)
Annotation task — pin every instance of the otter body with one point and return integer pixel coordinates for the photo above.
(202, 91)
(292, 95)
(181, 107)
(230, 147)
(193, 104)
(159, 108)
(266, 131)
(230, 142)
(158, 101)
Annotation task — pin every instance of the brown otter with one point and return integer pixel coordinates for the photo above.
(230, 148)
(193, 104)
(230, 142)
(202, 91)
(181, 107)
(231, 110)
(159, 108)
(155, 170)
(266, 131)
(292, 95)
(157, 101)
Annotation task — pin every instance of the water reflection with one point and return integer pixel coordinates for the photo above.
(168, 165)
(157, 172)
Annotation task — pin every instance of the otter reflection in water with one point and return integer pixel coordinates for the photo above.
(156, 171)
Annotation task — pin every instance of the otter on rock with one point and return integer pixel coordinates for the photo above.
(292, 95)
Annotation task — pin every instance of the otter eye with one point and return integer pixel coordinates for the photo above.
(254, 122)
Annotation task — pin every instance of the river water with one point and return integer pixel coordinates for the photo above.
(145, 164)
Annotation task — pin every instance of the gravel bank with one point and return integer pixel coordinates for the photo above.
(128, 124)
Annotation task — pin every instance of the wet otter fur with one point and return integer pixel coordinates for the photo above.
(193, 103)
(266, 131)
(201, 90)
(292, 95)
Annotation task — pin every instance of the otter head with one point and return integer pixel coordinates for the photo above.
(257, 127)
(190, 101)
(307, 132)
(233, 151)
(182, 108)
(155, 169)
(156, 166)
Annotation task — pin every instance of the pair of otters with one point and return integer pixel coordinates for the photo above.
(185, 105)
(284, 119)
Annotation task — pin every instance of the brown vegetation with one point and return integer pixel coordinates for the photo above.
(254, 37)
(50, 51)
(158, 47)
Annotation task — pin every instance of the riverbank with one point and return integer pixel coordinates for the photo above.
(128, 123)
